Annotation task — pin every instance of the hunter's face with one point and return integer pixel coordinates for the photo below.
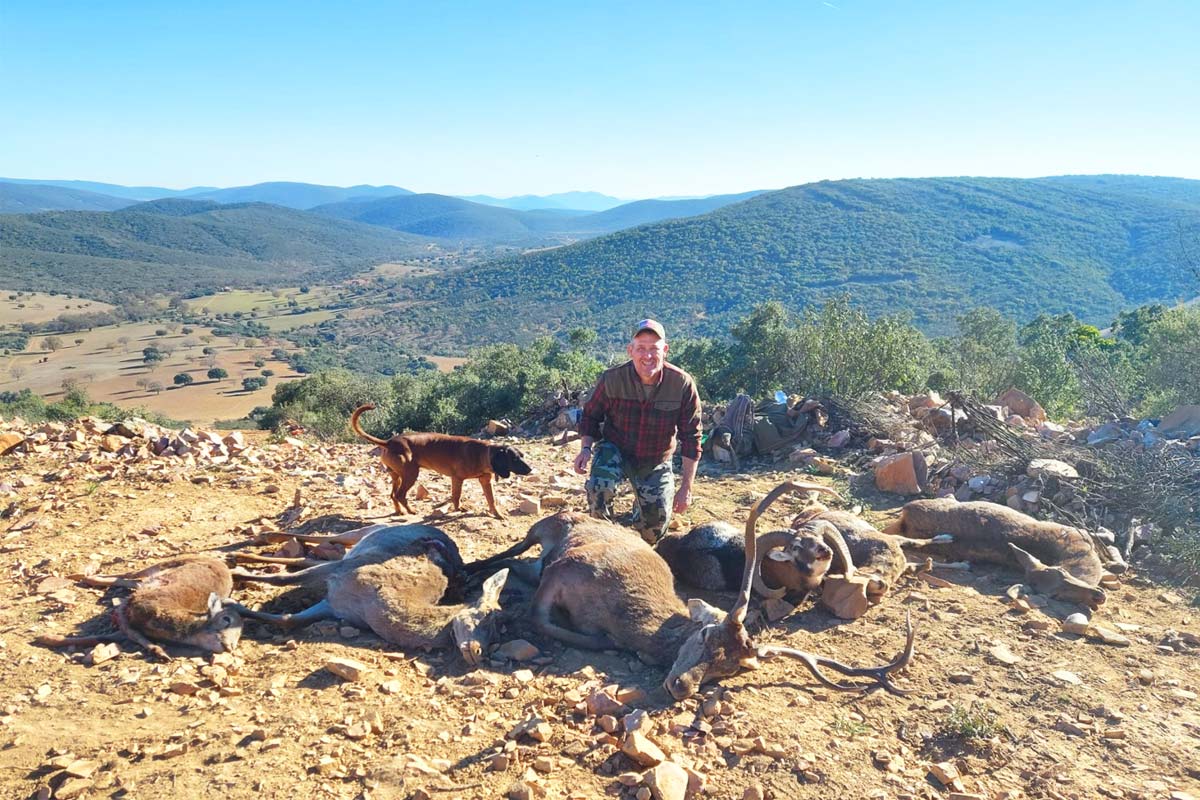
(648, 353)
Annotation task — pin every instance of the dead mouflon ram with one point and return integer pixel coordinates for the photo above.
(821, 545)
(183, 601)
(712, 555)
(602, 587)
(392, 582)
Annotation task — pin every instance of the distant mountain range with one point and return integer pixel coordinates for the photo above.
(574, 201)
(304, 195)
(29, 198)
(182, 245)
(458, 220)
(301, 195)
(281, 193)
(1089, 245)
(135, 193)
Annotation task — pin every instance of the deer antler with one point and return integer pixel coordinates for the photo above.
(881, 674)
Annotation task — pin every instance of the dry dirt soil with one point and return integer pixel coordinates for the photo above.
(1055, 715)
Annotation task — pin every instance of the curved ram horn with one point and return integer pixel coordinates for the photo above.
(737, 615)
(769, 541)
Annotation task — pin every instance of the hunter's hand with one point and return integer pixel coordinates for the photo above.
(582, 460)
(683, 499)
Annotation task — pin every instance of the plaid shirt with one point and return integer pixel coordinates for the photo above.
(642, 420)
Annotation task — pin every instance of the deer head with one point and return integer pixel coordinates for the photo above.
(474, 626)
(222, 630)
(1056, 581)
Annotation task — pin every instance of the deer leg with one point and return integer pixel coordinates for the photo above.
(320, 611)
(122, 617)
(52, 640)
(290, 562)
(105, 581)
(881, 674)
(544, 603)
(921, 544)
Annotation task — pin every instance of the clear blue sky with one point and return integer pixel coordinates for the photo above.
(633, 99)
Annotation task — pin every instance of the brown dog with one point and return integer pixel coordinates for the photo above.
(458, 457)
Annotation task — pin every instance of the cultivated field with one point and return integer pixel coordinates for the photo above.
(41, 307)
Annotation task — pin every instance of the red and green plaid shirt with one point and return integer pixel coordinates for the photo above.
(642, 421)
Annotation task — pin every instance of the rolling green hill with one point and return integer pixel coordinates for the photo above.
(642, 212)
(932, 247)
(451, 218)
(131, 193)
(459, 220)
(1175, 190)
(183, 246)
(30, 198)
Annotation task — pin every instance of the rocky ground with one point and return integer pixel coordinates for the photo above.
(1003, 702)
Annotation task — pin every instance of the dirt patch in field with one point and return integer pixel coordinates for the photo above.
(1012, 705)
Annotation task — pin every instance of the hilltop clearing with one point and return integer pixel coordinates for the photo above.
(1003, 704)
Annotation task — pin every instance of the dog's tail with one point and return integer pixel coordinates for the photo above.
(358, 412)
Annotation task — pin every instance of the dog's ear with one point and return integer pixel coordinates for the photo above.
(500, 462)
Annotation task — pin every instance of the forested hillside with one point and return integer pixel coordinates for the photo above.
(184, 245)
(930, 246)
(451, 218)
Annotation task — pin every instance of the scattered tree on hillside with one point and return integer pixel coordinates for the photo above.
(155, 386)
(579, 338)
(183, 379)
(253, 384)
(52, 343)
(124, 341)
(78, 342)
(217, 374)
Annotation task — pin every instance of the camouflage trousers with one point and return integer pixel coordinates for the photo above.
(653, 489)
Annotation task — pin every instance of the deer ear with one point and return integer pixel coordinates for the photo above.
(781, 555)
(1028, 561)
(214, 604)
(701, 611)
(490, 599)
